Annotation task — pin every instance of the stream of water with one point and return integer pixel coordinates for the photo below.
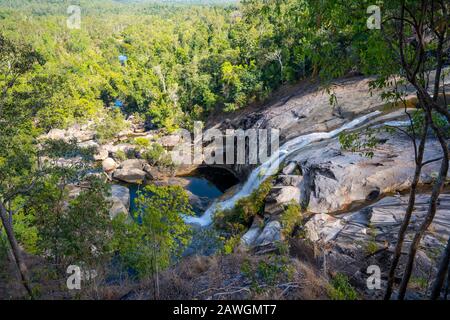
(271, 166)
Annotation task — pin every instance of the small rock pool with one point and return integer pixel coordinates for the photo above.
(204, 186)
(198, 186)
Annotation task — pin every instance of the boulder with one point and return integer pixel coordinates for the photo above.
(133, 164)
(249, 238)
(80, 135)
(270, 234)
(109, 165)
(154, 173)
(353, 241)
(280, 196)
(56, 134)
(290, 168)
(88, 144)
(101, 154)
(169, 141)
(323, 227)
(334, 180)
(123, 135)
(290, 180)
(199, 204)
(123, 147)
(130, 175)
(120, 198)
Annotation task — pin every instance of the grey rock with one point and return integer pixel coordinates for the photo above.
(271, 233)
(88, 144)
(101, 154)
(169, 141)
(323, 227)
(130, 175)
(290, 180)
(280, 196)
(289, 169)
(249, 238)
(133, 164)
(120, 198)
(56, 134)
(109, 165)
(334, 181)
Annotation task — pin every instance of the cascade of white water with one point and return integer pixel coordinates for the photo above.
(271, 166)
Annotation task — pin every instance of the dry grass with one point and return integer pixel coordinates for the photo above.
(241, 275)
(222, 278)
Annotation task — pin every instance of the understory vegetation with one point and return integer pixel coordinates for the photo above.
(235, 221)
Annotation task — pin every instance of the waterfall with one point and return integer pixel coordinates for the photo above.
(271, 166)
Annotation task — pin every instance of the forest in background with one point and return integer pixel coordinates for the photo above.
(184, 61)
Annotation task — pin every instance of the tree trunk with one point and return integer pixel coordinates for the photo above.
(23, 270)
(431, 209)
(447, 285)
(407, 218)
(440, 277)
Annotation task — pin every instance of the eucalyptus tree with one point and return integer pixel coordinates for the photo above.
(17, 149)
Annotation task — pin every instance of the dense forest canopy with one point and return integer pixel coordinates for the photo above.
(184, 59)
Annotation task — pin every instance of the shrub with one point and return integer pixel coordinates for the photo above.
(341, 288)
(111, 125)
(156, 155)
(120, 155)
(158, 235)
(290, 218)
(371, 247)
(268, 271)
(244, 210)
(3, 251)
(230, 244)
(142, 142)
(26, 231)
(439, 120)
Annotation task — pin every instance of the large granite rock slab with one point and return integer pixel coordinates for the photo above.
(335, 180)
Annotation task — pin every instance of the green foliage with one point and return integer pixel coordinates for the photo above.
(17, 131)
(341, 289)
(230, 244)
(156, 155)
(270, 271)
(120, 155)
(223, 57)
(290, 218)
(242, 214)
(419, 282)
(159, 233)
(371, 247)
(4, 247)
(358, 142)
(72, 229)
(234, 222)
(142, 142)
(86, 224)
(418, 120)
(26, 232)
(110, 125)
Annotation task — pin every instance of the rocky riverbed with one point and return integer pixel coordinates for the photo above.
(353, 203)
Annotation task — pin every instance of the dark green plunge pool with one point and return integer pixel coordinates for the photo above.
(199, 186)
